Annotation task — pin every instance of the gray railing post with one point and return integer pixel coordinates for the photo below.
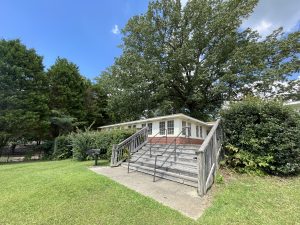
(201, 173)
(175, 150)
(166, 136)
(113, 156)
(207, 159)
(154, 172)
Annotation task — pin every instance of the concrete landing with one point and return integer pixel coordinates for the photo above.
(180, 197)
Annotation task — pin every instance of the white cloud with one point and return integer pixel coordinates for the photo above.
(115, 30)
(183, 2)
(269, 15)
(263, 26)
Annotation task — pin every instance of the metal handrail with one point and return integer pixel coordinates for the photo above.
(151, 145)
(129, 156)
(174, 140)
(132, 143)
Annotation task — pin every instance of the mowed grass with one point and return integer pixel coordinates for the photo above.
(66, 192)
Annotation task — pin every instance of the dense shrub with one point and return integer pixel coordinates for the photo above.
(47, 148)
(104, 140)
(262, 136)
(62, 148)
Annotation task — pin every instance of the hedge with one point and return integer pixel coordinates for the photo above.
(62, 147)
(81, 141)
(262, 136)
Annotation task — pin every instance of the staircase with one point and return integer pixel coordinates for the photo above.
(192, 165)
(182, 168)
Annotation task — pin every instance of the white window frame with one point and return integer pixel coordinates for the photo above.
(183, 124)
(189, 129)
(162, 130)
(201, 131)
(149, 125)
(170, 126)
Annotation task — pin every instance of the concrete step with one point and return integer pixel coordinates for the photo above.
(183, 151)
(182, 147)
(183, 169)
(186, 146)
(170, 167)
(191, 181)
(180, 156)
(171, 150)
(170, 161)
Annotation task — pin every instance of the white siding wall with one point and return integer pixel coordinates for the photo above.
(155, 128)
(177, 127)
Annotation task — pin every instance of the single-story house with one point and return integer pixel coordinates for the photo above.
(164, 129)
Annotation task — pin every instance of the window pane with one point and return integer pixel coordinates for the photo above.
(183, 127)
(201, 133)
(143, 125)
(162, 126)
(170, 127)
(150, 128)
(189, 129)
(197, 131)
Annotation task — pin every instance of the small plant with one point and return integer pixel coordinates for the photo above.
(126, 153)
(219, 178)
(28, 155)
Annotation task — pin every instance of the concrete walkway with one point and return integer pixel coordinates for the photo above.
(177, 196)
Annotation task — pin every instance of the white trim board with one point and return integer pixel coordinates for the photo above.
(179, 115)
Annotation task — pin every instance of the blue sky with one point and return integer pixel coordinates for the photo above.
(81, 31)
(87, 32)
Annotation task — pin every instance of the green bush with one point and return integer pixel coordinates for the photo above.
(262, 136)
(47, 148)
(62, 148)
(104, 140)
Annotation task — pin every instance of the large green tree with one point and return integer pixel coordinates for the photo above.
(74, 100)
(191, 59)
(67, 89)
(95, 105)
(23, 93)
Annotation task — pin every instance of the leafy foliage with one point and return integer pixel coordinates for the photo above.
(47, 148)
(190, 59)
(262, 136)
(24, 93)
(67, 89)
(61, 124)
(104, 140)
(62, 147)
(95, 104)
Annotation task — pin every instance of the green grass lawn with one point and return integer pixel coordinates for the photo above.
(66, 192)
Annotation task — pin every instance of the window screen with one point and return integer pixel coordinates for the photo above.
(162, 127)
(189, 129)
(150, 128)
(183, 127)
(170, 125)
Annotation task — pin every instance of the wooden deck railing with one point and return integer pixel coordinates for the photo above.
(121, 151)
(208, 158)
